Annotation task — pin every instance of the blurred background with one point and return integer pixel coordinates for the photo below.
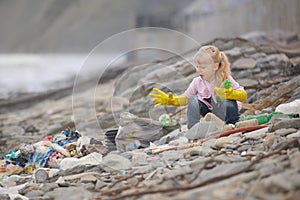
(43, 44)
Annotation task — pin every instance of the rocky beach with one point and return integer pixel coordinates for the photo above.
(261, 163)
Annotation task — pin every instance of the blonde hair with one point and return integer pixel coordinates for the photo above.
(219, 58)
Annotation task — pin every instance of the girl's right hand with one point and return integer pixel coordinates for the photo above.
(167, 99)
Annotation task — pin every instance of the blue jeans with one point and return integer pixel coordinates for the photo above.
(227, 110)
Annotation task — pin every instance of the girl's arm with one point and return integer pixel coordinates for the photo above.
(236, 92)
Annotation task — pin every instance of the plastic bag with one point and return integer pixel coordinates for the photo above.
(136, 129)
(289, 108)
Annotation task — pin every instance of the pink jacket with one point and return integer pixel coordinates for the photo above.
(204, 90)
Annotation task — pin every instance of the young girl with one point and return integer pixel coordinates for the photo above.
(213, 68)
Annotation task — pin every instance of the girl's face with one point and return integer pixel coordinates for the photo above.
(206, 68)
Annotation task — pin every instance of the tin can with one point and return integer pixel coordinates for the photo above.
(41, 175)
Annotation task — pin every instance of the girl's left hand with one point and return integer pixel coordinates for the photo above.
(238, 95)
(223, 93)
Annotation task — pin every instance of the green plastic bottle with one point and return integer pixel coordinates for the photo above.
(225, 84)
(165, 120)
(265, 118)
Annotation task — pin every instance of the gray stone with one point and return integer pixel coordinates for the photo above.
(179, 142)
(259, 147)
(286, 123)
(278, 143)
(88, 186)
(275, 60)
(269, 167)
(100, 184)
(70, 193)
(34, 193)
(295, 159)
(235, 52)
(88, 178)
(143, 169)
(207, 151)
(242, 74)
(202, 130)
(139, 159)
(247, 82)
(224, 141)
(294, 135)
(231, 158)
(195, 151)
(243, 147)
(258, 56)
(209, 143)
(171, 155)
(244, 63)
(283, 182)
(169, 137)
(113, 162)
(222, 169)
(13, 131)
(49, 187)
(285, 131)
(256, 135)
(248, 50)
(4, 197)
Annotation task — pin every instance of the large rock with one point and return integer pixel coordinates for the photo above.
(244, 63)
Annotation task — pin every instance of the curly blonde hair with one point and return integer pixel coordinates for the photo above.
(220, 59)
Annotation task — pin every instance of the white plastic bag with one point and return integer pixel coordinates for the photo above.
(289, 108)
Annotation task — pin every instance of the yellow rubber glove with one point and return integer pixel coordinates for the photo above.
(238, 95)
(163, 99)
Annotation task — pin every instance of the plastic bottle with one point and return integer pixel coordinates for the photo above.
(133, 145)
(165, 120)
(265, 118)
(226, 84)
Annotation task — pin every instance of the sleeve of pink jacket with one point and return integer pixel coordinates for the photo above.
(191, 90)
(235, 85)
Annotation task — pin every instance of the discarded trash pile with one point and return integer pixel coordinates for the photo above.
(52, 152)
(138, 157)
